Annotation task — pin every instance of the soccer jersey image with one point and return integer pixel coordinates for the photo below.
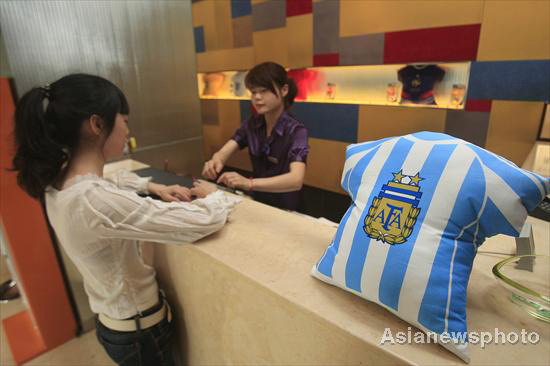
(418, 83)
(422, 205)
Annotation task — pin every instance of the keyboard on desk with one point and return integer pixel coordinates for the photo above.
(167, 178)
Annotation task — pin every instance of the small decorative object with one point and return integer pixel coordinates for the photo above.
(238, 87)
(130, 146)
(212, 83)
(331, 90)
(457, 95)
(391, 92)
(419, 82)
(528, 289)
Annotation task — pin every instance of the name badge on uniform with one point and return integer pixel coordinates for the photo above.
(273, 159)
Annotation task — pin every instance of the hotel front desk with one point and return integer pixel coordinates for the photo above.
(245, 296)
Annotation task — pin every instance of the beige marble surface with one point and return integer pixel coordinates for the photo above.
(245, 296)
(127, 164)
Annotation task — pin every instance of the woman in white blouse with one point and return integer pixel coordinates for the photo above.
(64, 134)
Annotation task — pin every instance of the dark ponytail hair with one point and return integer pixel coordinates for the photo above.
(48, 120)
(267, 75)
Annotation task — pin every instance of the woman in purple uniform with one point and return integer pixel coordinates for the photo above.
(276, 141)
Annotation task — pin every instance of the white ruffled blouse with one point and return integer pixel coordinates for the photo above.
(99, 222)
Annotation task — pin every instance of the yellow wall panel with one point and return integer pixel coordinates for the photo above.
(215, 137)
(204, 14)
(325, 164)
(230, 117)
(223, 60)
(258, 1)
(202, 11)
(240, 160)
(300, 40)
(224, 24)
(376, 122)
(515, 30)
(271, 45)
(365, 16)
(209, 111)
(230, 120)
(242, 31)
(211, 138)
(513, 128)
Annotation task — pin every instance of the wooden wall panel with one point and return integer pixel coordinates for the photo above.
(222, 60)
(212, 141)
(513, 129)
(300, 41)
(376, 122)
(364, 17)
(271, 45)
(515, 30)
(242, 31)
(240, 160)
(325, 163)
(230, 118)
(204, 13)
(224, 24)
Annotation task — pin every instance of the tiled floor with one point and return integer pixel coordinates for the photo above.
(81, 351)
(7, 310)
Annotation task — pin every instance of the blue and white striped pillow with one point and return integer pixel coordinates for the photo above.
(422, 205)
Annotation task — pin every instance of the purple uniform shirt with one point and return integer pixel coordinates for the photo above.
(272, 156)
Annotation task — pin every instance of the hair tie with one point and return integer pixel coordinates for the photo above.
(45, 91)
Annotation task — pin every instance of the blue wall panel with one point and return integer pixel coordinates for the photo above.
(510, 80)
(240, 8)
(199, 39)
(336, 122)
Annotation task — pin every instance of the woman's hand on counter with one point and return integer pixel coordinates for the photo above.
(235, 180)
(173, 193)
(203, 188)
(212, 168)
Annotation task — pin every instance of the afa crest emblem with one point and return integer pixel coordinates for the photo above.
(392, 215)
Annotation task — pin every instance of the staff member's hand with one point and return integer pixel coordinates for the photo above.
(234, 180)
(173, 193)
(212, 168)
(202, 188)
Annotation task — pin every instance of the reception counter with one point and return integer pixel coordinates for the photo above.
(244, 296)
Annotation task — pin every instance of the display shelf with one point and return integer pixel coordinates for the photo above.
(428, 85)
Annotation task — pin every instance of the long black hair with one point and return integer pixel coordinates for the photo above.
(48, 121)
(268, 75)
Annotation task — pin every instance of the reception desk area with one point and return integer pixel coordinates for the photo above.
(182, 79)
(244, 296)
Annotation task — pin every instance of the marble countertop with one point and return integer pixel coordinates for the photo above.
(277, 249)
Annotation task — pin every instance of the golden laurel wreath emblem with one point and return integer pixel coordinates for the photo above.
(393, 214)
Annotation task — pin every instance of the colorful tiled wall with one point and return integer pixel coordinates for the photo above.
(507, 42)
